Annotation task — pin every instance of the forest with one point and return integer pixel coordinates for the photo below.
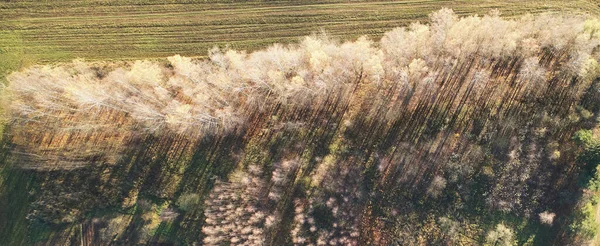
(474, 130)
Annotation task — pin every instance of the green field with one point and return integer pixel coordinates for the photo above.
(125, 29)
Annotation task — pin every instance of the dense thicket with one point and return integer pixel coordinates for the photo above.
(416, 138)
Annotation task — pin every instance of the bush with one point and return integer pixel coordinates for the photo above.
(583, 137)
(584, 225)
(188, 201)
(502, 235)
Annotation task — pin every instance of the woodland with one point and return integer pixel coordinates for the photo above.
(474, 130)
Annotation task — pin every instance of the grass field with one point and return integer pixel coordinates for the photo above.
(48, 31)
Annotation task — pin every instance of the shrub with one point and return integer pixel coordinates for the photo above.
(583, 137)
(501, 236)
(584, 224)
(188, 201)
(547, 218)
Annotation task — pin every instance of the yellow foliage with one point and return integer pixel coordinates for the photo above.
(592, 26)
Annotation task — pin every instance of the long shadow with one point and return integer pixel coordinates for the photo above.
(15, 197)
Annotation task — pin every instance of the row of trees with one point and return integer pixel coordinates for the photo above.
(207, 97)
